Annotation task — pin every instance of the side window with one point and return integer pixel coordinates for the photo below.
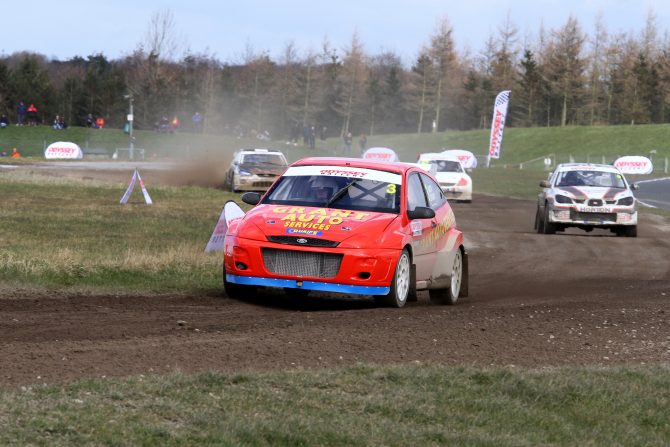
(435, 195)
(415, 195)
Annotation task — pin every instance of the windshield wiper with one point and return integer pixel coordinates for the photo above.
(340, 192)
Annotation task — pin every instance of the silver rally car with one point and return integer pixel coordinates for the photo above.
(586, 196)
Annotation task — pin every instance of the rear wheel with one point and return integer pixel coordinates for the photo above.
(397, 296)
(451, 293)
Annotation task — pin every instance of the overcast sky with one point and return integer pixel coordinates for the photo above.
(224, 29)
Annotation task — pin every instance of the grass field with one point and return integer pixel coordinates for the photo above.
(74, 235)
(363, 405)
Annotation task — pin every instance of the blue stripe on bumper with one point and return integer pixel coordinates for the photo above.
(307, 285)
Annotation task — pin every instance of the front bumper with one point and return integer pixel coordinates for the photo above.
(253, 182)
(360, 271)
(605, 216)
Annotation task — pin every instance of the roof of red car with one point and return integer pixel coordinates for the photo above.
(397, 167)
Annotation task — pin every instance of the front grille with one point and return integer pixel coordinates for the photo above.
(447, 185)
(593, 217)
(301, 263)
(595, 202)
(262, 184)
(308, 241)
(267, 175)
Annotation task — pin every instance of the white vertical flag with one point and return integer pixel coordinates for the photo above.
(498, 124)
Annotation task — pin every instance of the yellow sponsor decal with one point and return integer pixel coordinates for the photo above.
(316, 219)
(439, 231)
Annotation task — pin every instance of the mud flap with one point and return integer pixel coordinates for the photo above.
(412, 294)
(465, 279)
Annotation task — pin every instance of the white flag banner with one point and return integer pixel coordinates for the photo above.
(131, 186)
(230, 212)
(498, 124)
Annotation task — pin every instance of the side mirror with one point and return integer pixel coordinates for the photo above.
(634, 186)
(252, 198)
(421, 212)
(545, 184)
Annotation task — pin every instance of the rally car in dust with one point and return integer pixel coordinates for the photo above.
(254, 169)
(449, 172)
(349, 226)
(586, 196)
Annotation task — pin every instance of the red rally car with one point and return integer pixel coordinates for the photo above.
(350, 226)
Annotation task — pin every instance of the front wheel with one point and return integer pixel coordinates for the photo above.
(548, 227)
(234, 290)
(397, 296)
(627, 231)
(451, 293)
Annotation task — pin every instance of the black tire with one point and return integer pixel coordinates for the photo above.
(450, 294)
(630, 231)
(397, 296)
(547, 227)
(539, 223)
(234, 290)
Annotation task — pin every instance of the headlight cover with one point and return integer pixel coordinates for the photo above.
(626, 201)
(562, 199)
(243, 172)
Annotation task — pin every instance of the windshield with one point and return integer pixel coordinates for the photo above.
(350, 192)
(604, 179)
(260, 159)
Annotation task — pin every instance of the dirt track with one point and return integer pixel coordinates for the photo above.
(535, 301)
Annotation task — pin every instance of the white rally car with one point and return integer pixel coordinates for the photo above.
(454, 181)
(586, 196)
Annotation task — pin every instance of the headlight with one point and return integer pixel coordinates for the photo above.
(463, 181)
(626, 201)
(563, 199)
(243, 172)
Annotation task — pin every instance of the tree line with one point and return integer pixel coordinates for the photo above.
(563, 76)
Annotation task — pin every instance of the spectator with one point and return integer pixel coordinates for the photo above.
(197, 122)
(3, 154)
(20, 113)
(312, 137)
(322, 133)
(164, 124)
(89, 120)
(175, 123)
(347, 143)
(362, 142)
(4, 122)
(59, 123)
(15, 153)
(32, 115)
(100, 122)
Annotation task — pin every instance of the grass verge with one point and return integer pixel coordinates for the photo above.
(363, 405)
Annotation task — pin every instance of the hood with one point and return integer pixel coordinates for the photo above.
(592, 192)
(322, 223)
(262, 168)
